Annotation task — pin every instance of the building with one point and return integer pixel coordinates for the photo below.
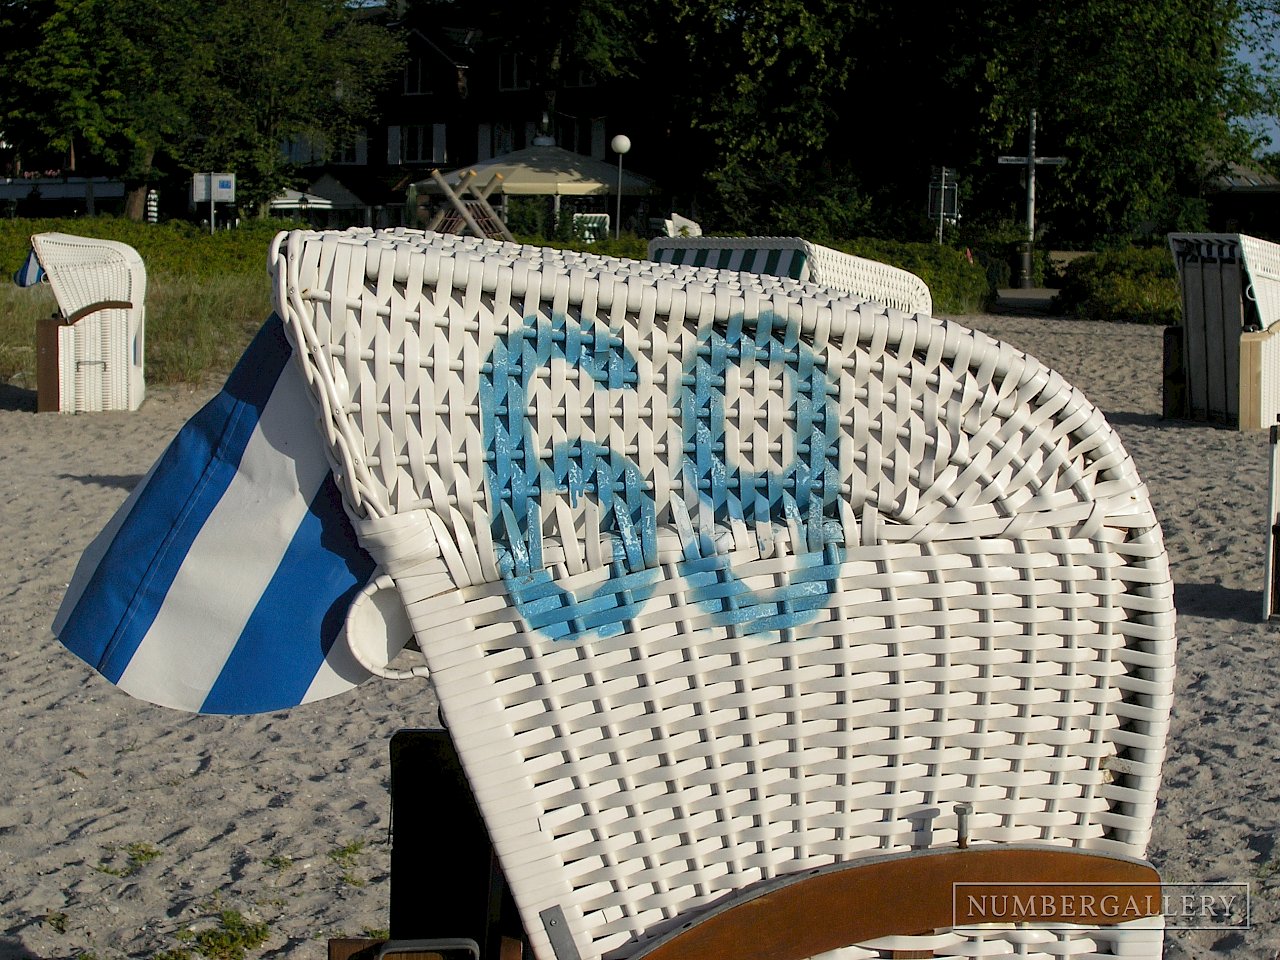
(461, 98)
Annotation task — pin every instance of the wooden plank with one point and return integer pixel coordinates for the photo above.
(48, 374)
(361, 948)
(1251, 381)
(912, 894)
(1215, 383)
(1194, 349)
(1271, 561)
(1174, 393)
(353, 948)
(1233, 318)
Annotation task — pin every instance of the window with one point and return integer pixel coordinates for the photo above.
(514, 71)
(304, 151)
(423, 143)
(504, 139)
(354, 153)
(579, 77)
(417, 78)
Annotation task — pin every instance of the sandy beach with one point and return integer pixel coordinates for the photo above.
(124, 825)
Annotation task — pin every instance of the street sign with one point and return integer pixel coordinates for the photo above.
(216, 187)
(943, 201)
(213, 188)
(1022, 161)
(224, 187)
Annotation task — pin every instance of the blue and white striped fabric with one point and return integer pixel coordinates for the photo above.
(223, 583)
(30, 273)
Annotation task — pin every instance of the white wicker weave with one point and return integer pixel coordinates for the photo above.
(100, 355)
(1262, 260)
(803, 261)
(717, 585)
(554, 259)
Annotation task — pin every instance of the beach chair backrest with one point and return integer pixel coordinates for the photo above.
(719, 585)
(800, 260)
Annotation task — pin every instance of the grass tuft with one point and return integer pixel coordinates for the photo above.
(231, 939)
(345, 857)
(135, 857)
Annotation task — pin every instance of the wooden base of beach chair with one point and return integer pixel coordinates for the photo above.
(359, 948)
(47, 375)
(444, 875)
(913, 894)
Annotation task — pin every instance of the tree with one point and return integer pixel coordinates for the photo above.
(208, 84)
(1140, 99)
(755, 89)
(96, 79)
(274, 71)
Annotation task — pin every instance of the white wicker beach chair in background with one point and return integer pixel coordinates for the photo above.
(800, 260)
(95, 354)
(1229, 339)
(725, 590)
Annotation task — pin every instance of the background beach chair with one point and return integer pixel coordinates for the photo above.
(1223, 361)
(723, 589)
(800, 260)
(90, 357)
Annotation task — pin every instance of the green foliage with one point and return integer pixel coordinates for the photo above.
(101, 77)
(1126, 285)
(346, 857)
(273, 72)
(529, 216)
(127, 861)
(189, 84)
(172, 248)
(956, 285)
(229, 940)
(55, 921)
(998, 247)
(757, 81)
(1137, 96)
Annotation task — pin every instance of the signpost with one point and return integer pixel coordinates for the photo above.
(1031, 161)
(944, 200)
(215, 188)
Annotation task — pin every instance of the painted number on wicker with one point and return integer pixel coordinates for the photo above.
(526, 473)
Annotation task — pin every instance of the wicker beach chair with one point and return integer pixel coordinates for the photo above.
(800, 260)
(729, 594)
(92, 357)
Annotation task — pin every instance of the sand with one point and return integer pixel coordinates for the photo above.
(122, 824)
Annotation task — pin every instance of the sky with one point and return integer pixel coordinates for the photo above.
(1267, 125)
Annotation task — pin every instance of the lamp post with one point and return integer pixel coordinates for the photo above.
(621, 144)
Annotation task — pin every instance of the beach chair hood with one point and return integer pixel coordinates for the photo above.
(225, 582)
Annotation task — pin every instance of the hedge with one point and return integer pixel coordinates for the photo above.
(1128, 285)
(207, 294)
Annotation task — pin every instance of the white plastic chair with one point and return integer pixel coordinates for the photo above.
(721, 586)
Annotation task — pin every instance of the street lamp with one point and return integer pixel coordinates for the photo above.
(621, 144)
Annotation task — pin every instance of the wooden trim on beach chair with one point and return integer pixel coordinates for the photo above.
(910, 894)
(78, 315)
(360, 948)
